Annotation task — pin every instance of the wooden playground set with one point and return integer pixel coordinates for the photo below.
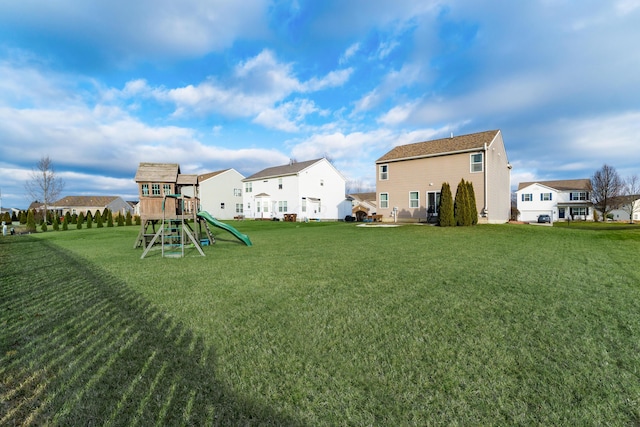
(169, 205)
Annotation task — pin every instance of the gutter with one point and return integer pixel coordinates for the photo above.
(486, 182)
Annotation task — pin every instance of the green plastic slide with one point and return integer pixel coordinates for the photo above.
(211, 220)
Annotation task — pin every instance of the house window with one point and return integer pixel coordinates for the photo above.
(561, 213)
(579, 211)
(433, 201)
(279, 183)
(237, 192)
(578, 195)
(238, 208)
(221, 205)
(414, 199)
(257, 206)
(304, 205)
(265, 206)
(167, 189)
(145, 190)
(476, 162)
(545, 196)
(384, 172)
(282, 206)
(248, 187)
(384, 200)
(527, 197)
(155, 189)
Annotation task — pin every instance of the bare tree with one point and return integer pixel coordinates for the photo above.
(44, 185)
(630, 196)
(356, 186)
(605, 189)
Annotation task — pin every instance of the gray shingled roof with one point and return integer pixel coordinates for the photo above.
(561, 185)
(288, 169)
(157, 172)
(438, 147)
(83, 201)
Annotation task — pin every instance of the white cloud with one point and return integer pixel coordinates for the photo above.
(142, 29)
(349, 53)
(391, 83)
(255, 89)
(609, 138)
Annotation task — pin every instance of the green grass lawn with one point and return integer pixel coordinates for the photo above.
(324, 324)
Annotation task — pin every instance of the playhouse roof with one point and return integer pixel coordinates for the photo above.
(187, 179)
(157, 172)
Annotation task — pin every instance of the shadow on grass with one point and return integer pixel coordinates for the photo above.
(78, 347)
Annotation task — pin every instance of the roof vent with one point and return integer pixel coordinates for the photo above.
(451, 135)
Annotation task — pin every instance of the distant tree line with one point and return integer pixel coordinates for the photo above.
(34, 218)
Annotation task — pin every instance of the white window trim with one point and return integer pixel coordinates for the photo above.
(417, 199)
(472, 163)
(386, 173)
(384, 201)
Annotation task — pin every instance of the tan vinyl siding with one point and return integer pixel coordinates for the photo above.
(425, 175)
(498, 182)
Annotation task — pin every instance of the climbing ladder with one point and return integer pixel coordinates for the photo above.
(174, 233)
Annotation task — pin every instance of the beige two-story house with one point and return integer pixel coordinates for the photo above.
(409, 177)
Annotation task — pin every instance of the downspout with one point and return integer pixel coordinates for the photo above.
(486, 182)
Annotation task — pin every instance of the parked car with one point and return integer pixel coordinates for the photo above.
(544, 218)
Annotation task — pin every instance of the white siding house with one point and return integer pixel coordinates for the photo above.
(312, 190)
(622, 212)
(561, 199)
(221, 193)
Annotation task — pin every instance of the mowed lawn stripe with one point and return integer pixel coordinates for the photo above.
(334, 324)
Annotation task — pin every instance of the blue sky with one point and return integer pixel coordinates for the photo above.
(101, 86)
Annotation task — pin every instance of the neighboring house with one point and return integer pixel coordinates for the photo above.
(85, 204)
(135, 205)
(409, 177)
(312, 190)
(221, 193)
(363, 205)
(560, 199)
(621, 213)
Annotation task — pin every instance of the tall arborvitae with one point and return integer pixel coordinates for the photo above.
(105, 214)
(79, 221)
(120, 219)
(65, 222)
(96, 215)
(445, 210)
(23, 217)
(31, 222)
(127, 220)
(89, 219)
(473, 209)
(67, 216)
(461, 205)
(98, 220)
(110, 219)
(56, 225)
